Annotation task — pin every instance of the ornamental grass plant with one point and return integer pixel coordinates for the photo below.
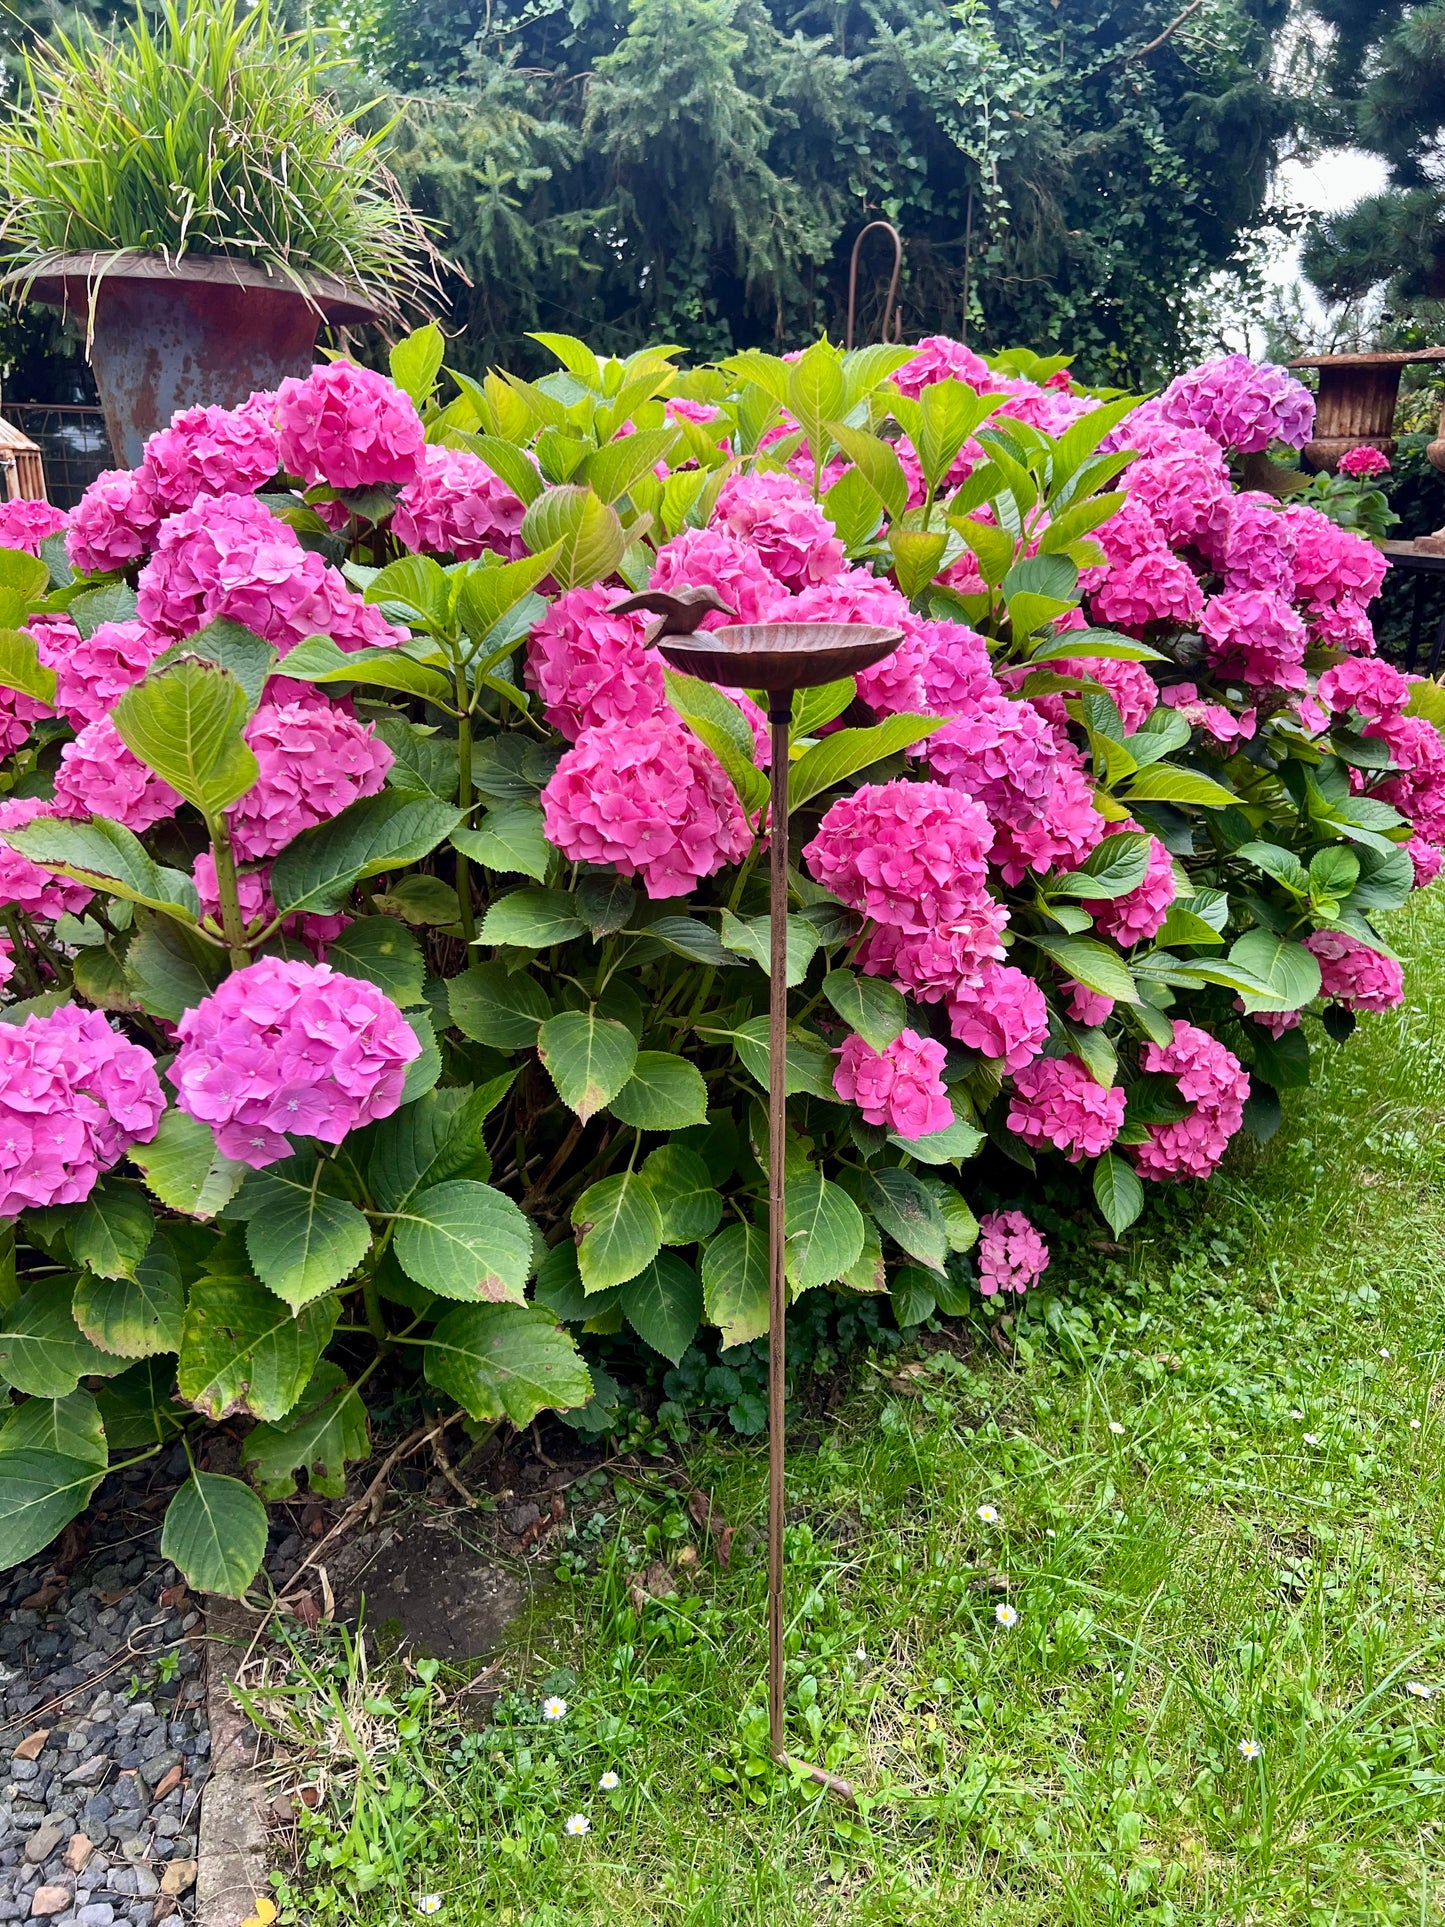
(426, 908)
(208, 130)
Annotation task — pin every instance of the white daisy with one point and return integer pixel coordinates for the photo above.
(429, 1904)
(1250, 1749)
(1311, 1438)
(1006, 1615)
(1116, 1428)
(554, 1708)
(1298, 1417)
(609, 1782)
(576, 1824)
(1417, 1689)
(989, 1514)
(1414, 1425)
(1383, 1352)
(1049, 1533)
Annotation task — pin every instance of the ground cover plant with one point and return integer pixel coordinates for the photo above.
(386, 929)
(1138, 1620)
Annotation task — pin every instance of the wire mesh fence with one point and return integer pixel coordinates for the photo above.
(72, 442)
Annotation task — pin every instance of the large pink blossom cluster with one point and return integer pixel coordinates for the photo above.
(25, 524)
(282, 1049)
(900, 1086)
(93, 672)
(314, 762)
(1056, 1101)
(590, 667)
(74, 1097)
(911, 855)
(774, 514)
(1012, 1255)
(24, 885)
(1212, 1083)
(212, 451)
(1374, 689)
(99, 776)
(714, 558)
(229, 556)
(1255, 634)
(1000, 1013)
(456, 506)
(647, 798)
(1353, 974)
(343, 426)
(1241, 404)
(114, 523)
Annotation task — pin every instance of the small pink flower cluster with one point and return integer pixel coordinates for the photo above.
(457, 506)
(774, 514)
(93, 672)
(314, 762)
(591, 668)
(647, 798)
(347, 427)
(1056, 1101)
(1354, 975)
(114, 523)
(714, 558)
(1364, 462)
(1221, 725)
(900, 1087)
(23, 884)
(1241, 404)
(74, 1097)
(1365, 684)
(1254, 634)
(25, 524)
(284, 1047)
(99, 776)
(1011, 1254)
(1213, 1083)
(1002, 1015)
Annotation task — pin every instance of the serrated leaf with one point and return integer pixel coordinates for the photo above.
(509, 840)
(589, 1058)
(215, 1534)
(850, 751)
(415, 362)
(318, 660)
(183, 1168)
(40, 1493)
(531, 920)
(582, 529)
(379, 951)
(904, 1208)
(242, 1351)
(1287, 976)
(752, 937)
(134, 1317)
(684, 1192)
(327, 1429)
(735, 1283)
(69, 1426)
(663, 1305)
(619, 1229)
(111, 1231)
(185, 723)
(170, 968)
(823, 1232)
(690, 937)
(1116, 865)
(301, 1240)
(437, 1137)
(108, 857)
(506, 1362)
(21, 668)
(809, 1067)
(230, 645)
(494, 1006)
(465, 1240)
(1093, 964)
(137, 1408)
(867, 1005)
(318, 871)
(1117, 1192)
(1166, 783)
(43, 1352)
(663, 1093)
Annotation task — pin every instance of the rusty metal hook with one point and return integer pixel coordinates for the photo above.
(892, 318)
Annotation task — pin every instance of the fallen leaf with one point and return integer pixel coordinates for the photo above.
(725, 1546)
(705, 1515)
(39, 1601)
(31, 1747)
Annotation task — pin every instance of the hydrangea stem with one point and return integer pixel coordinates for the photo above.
(228, 893)
(465, 798)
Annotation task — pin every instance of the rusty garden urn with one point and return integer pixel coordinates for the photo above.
(1355, 404)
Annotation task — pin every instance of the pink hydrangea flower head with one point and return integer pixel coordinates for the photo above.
(774, 514)
(1154, 587)
(18, 715)
(258, 907)
(315, 762)
(1032, 786)
(99, 776)
(1418, 792)
(1134, 690)
(1212, 1082)
(348, 427)
(39, 893)
(1364, 463)
(457, 506)
(74, 1097)
(715, 559)
(1374, 688)
(932, 965)
(591, 668)
(93, 672)
(900, 1087)
(1131, 532)
(286, 1048)
(1241, 404)
(1331, 564)
(956, 666)
(1217, 722)
(1086, 1006)
(1354, 975)
(1255, 635)
(1012, 1255)
(115, 521)
(1138, 914)
(937, 358)
(896, 685)
(910, 855)
(25, 524)
(1183, 481)
(1258, 547)
(1056, 1101)
(1428, 860)
(1004, 1018)
(649, 799)
(211, 451)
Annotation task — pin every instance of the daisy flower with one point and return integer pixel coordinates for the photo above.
(1006, 1615)
(609, 1782)
(989, 1514)
(1417, 1689)
(1250, 1749)
(1116, 1428)
(1311, 1438)
(576, 1824)
(1298, 1417)
(554, 1708)
(429, 1904)
(1414, 1425)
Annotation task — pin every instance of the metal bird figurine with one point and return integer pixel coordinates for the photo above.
(678, 615)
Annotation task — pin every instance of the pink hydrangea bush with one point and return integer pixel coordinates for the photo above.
(286, 1049)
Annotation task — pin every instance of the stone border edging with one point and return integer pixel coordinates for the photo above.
(231, 1851)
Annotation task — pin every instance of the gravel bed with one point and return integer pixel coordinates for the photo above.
(104, 1744)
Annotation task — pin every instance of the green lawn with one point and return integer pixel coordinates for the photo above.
(1217, 1471)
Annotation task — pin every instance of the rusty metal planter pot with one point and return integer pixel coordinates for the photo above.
(1356, 402)
(169, 334)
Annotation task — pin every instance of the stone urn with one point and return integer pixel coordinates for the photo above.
(164, 334)
(1355, 405)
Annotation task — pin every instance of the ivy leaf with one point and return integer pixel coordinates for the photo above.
(465, 1240)
(327, 1428)
(506, 1362)
(215, 1534)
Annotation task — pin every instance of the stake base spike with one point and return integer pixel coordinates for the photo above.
(830, 1782)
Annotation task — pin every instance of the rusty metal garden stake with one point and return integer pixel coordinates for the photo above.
(774, 659)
